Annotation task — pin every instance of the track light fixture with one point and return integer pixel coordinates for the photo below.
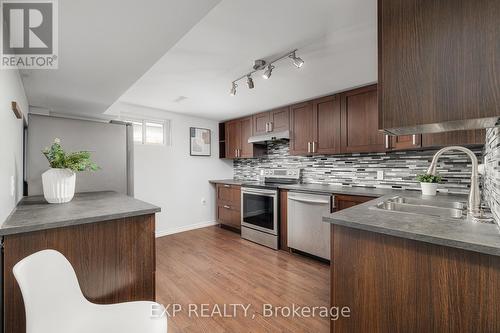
(268, 70)
(250, 82)
(232, 92)
(297, 61)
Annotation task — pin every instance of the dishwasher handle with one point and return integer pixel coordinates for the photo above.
(309, 200)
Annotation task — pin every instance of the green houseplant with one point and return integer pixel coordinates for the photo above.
(428, 183)
(59, 181)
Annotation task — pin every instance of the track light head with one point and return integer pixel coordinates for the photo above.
(268, 72)
(297, 61)
(232, 92)
(250, 82)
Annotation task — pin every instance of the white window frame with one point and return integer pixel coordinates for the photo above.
(167, 134)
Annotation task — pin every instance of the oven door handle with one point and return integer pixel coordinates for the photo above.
(259, 192)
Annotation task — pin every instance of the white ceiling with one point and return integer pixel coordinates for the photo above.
(105, 46)
(336, 39)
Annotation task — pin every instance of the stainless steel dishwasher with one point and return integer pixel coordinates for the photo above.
(306, 230)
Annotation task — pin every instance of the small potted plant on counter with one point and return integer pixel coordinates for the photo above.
(428, 183)
(59, 181)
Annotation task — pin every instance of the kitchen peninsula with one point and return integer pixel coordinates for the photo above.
(108, 238)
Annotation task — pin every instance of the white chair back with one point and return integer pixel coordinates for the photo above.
(50, 290)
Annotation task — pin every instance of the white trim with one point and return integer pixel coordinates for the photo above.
(177, 230)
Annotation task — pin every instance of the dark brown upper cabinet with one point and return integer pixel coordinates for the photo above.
(233, 138)
(438, 62)
(246, 149)
(271, 121)
(301, 128)
(280, 119)
(237, 134)
(315, 127)
(360, 122)
(261, 123)
(327, 125)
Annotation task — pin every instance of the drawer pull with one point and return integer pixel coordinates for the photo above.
(225, 185)
(226, 206)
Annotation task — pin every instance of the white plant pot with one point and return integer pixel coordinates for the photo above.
(58, 185)
(429, 188)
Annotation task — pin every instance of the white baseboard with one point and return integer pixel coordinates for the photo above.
(161, 233)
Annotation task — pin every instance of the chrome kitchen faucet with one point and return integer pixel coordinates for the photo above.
(474, 196)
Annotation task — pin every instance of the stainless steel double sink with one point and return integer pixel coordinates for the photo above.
(446, 209)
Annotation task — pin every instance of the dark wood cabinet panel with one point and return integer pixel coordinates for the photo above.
(233, 138)
(366, 275)
(438, 61)
(246, 149)
(283, 230)
(402, 142)
(114, 262)
(260, 123)
(227, 193)
(237, 133)
(280, 119)
(271, 121)
(301, 128)
(327, 125)
(347, 201)
(228, 205)
(461, 138)
(360, 121)
(393, 284)
(229, 216)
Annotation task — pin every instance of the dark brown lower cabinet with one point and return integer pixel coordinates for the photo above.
(394, 284)
(228, 205)
(283, 229)
(113, 260)
(347, 201)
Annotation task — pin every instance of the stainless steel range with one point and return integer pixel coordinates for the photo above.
(260, 206)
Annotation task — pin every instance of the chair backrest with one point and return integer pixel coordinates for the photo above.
(50, 290)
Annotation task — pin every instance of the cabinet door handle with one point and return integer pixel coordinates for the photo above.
(314, 147)
(236, 153)
(226, 206)
(308, 147)
(386, 141)
(414, 139)
(225, 185)
(267, 127)
(271, 126)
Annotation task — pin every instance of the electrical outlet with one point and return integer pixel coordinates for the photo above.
(12, 186)
(203, 202)
(380, 175)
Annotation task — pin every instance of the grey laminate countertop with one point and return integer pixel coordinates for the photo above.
(33, 213)
(315, 188)
(462, 234)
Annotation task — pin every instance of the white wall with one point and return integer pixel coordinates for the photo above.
(169, 177)
(11, 141)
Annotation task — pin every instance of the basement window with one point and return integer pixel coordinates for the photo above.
(151, 132)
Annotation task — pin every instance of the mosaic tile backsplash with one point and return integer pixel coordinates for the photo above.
(491, 191)
(399, 168)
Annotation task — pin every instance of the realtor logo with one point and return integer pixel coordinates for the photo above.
(29, 34)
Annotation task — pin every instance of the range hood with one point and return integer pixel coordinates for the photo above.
(456, 125)
(284, 135)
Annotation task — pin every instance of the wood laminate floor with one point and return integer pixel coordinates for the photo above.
(214, 266)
